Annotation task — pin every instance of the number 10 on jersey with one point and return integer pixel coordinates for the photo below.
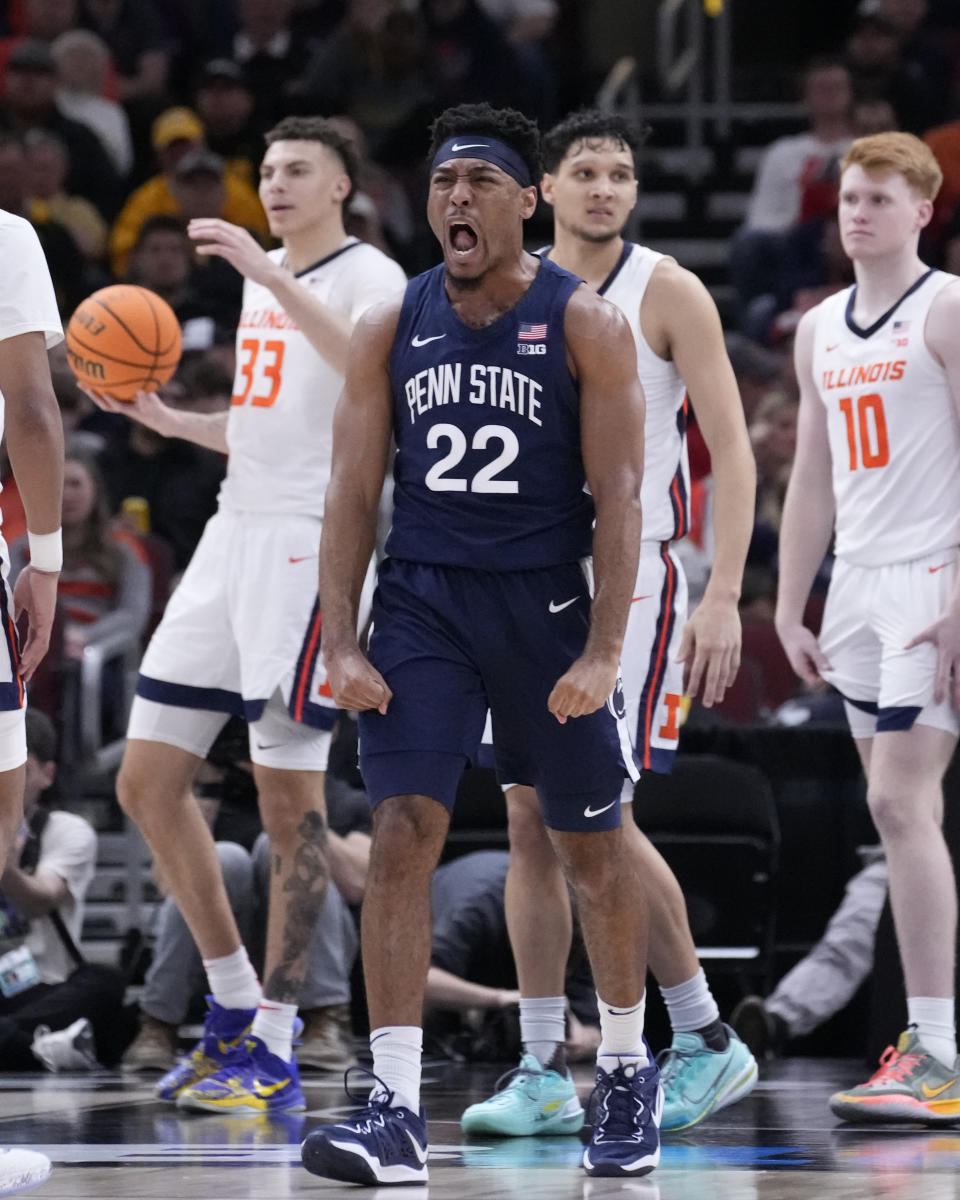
(866, 430)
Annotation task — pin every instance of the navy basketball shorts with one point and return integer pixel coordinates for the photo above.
(452, 642)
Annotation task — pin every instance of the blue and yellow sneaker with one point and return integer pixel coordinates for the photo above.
(698, 1081)
(223, 1029)
(250, 1080)
(382, 1143)
(625, 1114)
(529, 1100)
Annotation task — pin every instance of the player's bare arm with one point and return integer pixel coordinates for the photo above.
(691, 329)
(362, 429)
(942, 342)
(327, 330)
(604, 360)
(808, 516)
(205, 429)
(34, 434)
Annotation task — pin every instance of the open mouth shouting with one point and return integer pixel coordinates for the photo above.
(462, 238)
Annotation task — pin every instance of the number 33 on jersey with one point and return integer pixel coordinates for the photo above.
(893, 429)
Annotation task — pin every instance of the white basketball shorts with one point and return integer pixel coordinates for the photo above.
(241, 636)
(870, 615)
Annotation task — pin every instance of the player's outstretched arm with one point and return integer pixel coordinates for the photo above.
(327, 330)
(362, 429)
(604, 357)
(710, 647)
(205, 429)
(34, 434)
(940, 333)
(808, 515)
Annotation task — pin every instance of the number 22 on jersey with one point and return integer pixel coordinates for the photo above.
(259, 370)
(866, 430)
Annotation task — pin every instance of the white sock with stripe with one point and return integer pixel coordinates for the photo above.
(273, 1025)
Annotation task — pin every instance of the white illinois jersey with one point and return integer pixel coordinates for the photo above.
(893, 429)
(280, 427)
(666, 472)
(27, 300)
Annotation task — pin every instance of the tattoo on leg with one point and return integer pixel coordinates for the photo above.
(304, 891)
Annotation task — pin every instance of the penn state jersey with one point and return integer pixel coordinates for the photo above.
(893, 429)
(666, 472)
(488, 471)
(280, 425)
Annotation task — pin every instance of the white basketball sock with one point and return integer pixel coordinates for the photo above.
(936, 1027)
(233, 981)
(621, 1035)
(690, 1005)
(397, 1058)
(273, 1025)
(542, 1027)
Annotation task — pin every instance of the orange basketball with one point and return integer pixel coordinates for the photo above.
(122, 340)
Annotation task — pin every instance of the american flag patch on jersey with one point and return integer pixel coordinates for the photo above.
(901, 326)
(532, 333)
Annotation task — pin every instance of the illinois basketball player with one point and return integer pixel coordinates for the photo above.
(878, 464)
(29, 323)
(591, 184)
(241, 634)
(508, 386)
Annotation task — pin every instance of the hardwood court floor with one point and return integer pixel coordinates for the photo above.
(109, 1138)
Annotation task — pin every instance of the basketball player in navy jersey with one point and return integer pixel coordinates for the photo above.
(591, 184)
(508, 387)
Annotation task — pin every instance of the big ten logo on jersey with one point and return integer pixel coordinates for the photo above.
(531, 338)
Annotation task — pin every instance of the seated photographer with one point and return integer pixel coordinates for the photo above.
(55, 1012)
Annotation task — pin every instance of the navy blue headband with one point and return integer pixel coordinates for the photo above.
(490, 149)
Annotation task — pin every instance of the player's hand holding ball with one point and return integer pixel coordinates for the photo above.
(123, 340)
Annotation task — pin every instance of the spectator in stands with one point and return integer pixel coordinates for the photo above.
(84, 64)
(271, 54)
(373, 69)
(62, 253)
(225, 104)
(873, 115)
(175, 133)
(203, 292)
(48, 162)
(944, 141)
(45, 879)
(525, 22)
(796, 181)
(104, 586)
(43, 21)
(30, 102)
(179, 480)
(915, 82)
(139, 43)
(826, 979)
(773, 436)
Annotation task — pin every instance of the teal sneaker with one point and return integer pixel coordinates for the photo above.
(697, 1081)
(529, 1100)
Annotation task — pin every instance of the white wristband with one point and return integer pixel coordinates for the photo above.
(46, 550)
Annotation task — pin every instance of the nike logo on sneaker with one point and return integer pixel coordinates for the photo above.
(595, 812)
(419, 1151)
(470, 146)
(930, 1092)
(555, 608)
(933, 570)
(302, 558)
(266, 1090)
(417, 340)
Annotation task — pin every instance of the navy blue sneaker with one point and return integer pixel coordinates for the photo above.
(382, 1143)
(625, 1113)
